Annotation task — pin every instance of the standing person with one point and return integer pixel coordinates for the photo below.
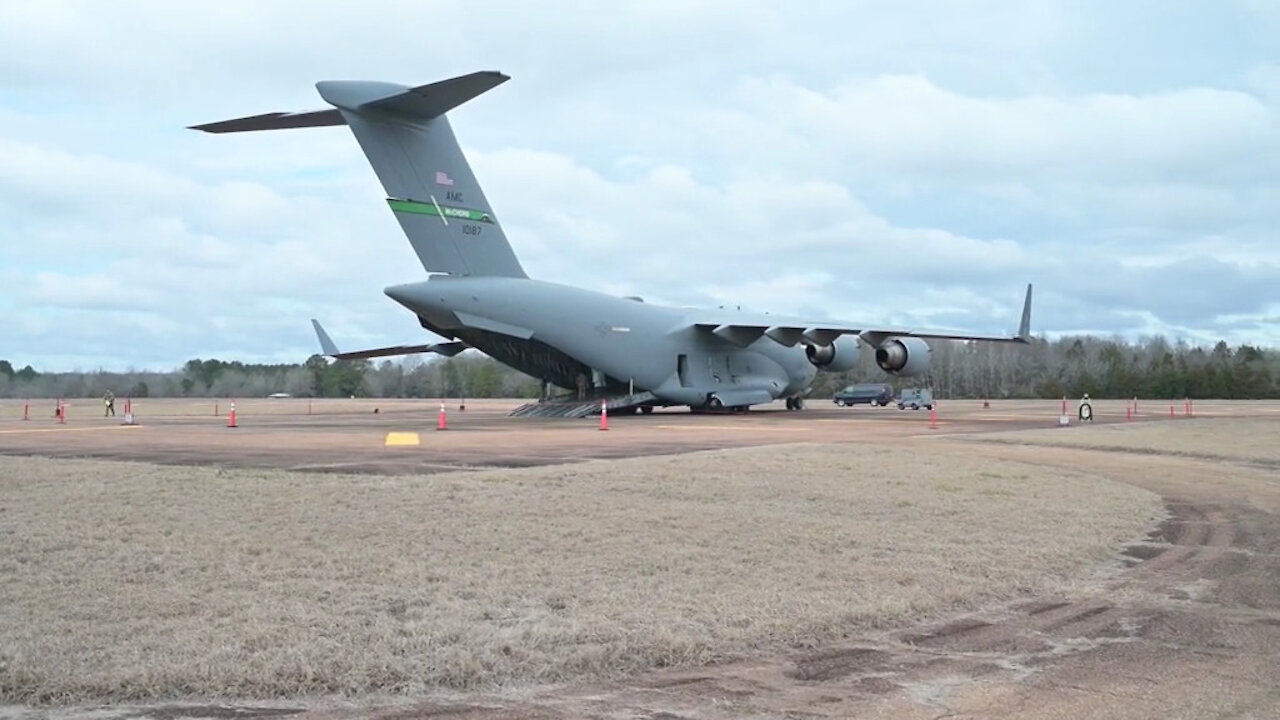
(109, 400)
(1086, 409)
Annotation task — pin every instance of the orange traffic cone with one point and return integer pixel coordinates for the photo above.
(128, 412)
(933, 418)
(441, 423)
(26, 409)
(231, 417)
(1171, 414)
(604, 415)
(61, 412)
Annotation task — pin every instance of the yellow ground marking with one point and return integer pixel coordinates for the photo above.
(402, 438)
(68, 429)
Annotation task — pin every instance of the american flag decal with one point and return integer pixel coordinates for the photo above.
(442, 178)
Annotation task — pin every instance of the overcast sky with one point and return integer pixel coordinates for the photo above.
(905, 164)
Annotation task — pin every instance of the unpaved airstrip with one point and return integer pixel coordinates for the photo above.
(834, 562)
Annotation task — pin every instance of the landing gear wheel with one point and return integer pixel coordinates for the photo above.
(646, 409)
(799, 403)
(715, 403)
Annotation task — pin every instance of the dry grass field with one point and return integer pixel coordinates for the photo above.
(1247, 439)
(126, 581)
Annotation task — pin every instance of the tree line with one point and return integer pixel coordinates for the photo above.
(1103, 367)
(1072, 366)
(466, 375)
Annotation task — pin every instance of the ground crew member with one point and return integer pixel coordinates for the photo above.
(1086, 409)
(109, 400)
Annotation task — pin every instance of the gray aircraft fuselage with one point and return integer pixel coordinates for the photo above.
(650, 347)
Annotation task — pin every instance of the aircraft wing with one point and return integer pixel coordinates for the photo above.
(742, 329)
(329, 349)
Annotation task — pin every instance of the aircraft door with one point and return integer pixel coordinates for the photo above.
(682, 370)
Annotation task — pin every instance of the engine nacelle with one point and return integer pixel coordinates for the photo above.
(840, 355)
(903, 356)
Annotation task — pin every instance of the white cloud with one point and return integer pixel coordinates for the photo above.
(907, 165)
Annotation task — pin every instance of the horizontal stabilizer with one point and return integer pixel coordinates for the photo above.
(422, 102)
(329, 349)
(275, 121)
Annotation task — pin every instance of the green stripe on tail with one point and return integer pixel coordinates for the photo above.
(427, 208)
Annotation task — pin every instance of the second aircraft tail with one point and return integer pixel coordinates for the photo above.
(429, 184)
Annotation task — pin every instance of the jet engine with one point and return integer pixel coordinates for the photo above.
(840, 355)
(904, 356)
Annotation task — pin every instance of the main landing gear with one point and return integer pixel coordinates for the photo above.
(795, 403)
(716, 406)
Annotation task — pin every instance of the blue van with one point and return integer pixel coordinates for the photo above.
(874, 395)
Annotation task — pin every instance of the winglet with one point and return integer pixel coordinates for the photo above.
(329, 349)
(326, 343)
(1024, 327)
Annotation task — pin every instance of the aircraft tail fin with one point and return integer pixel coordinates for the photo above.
(430, 187)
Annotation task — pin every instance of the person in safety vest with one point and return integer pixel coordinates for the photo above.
(1086, 409)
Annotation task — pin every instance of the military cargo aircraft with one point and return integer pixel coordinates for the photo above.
(631, 353)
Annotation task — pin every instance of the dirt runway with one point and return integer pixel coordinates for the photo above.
(349, 436)
(1186, 623)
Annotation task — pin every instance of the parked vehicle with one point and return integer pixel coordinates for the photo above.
(915, 398)
(873, 394)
